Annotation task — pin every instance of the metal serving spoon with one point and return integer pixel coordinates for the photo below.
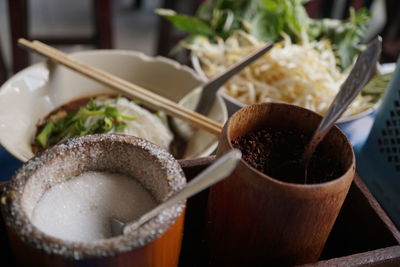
(203, 100)
(358, 77)
(211, 87)
(219, 170)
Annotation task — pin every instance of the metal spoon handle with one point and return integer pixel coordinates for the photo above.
(219, 170)
(211, 86)
(358, 77)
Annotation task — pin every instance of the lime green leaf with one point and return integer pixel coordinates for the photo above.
(272, 5)
(119, 127)
(108, 124)
(126, 117)
(267, 26)
(111, 111)
(43, 137)
(377, 86)
(192, 25)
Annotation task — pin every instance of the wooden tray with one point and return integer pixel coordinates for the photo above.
(362, 235)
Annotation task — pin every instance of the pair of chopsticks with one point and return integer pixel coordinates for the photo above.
(146, 97)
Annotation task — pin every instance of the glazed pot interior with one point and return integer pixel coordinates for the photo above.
(154, 168)
(97, 157)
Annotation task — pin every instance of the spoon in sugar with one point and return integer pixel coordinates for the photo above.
(358, 77)
(216, 172)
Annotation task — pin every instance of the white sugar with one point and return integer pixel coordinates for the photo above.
(80, 208)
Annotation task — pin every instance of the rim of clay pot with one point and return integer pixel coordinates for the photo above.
(289, 185)
(16, 217)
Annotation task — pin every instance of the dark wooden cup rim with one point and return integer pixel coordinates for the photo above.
(228, 127)
(17, 219)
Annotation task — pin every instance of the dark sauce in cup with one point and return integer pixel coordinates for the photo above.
(276, 152)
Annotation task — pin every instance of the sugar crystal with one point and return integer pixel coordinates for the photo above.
(80, 208)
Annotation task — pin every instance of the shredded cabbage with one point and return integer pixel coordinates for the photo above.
(301, 74)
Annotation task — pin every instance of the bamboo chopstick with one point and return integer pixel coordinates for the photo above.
(146, 97)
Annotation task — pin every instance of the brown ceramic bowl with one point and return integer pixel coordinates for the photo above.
(156, 244)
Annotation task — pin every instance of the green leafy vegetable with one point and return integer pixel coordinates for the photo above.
(377, 86)
(344, 35)
(91, 119)
(45, 134)
(267, 26)
(192, 25)
(268, 19)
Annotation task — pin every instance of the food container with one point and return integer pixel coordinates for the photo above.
(156, 243)
(379, 156)
(33, 93)
(254, 218)
(355, 127)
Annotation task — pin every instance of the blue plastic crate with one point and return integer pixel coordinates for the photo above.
(378, 158)
(8, 165)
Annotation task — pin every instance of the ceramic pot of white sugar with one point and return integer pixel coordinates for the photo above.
(57, 207)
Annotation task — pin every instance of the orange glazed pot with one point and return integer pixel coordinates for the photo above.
(155, 243)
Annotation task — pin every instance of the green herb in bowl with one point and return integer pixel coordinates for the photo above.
(310, 60)
(90, 119)
(102, 114)
(266, 20)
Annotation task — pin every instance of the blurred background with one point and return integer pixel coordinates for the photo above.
(131, 24)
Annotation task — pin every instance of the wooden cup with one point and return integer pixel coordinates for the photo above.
(254, 219)
(156, 243)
